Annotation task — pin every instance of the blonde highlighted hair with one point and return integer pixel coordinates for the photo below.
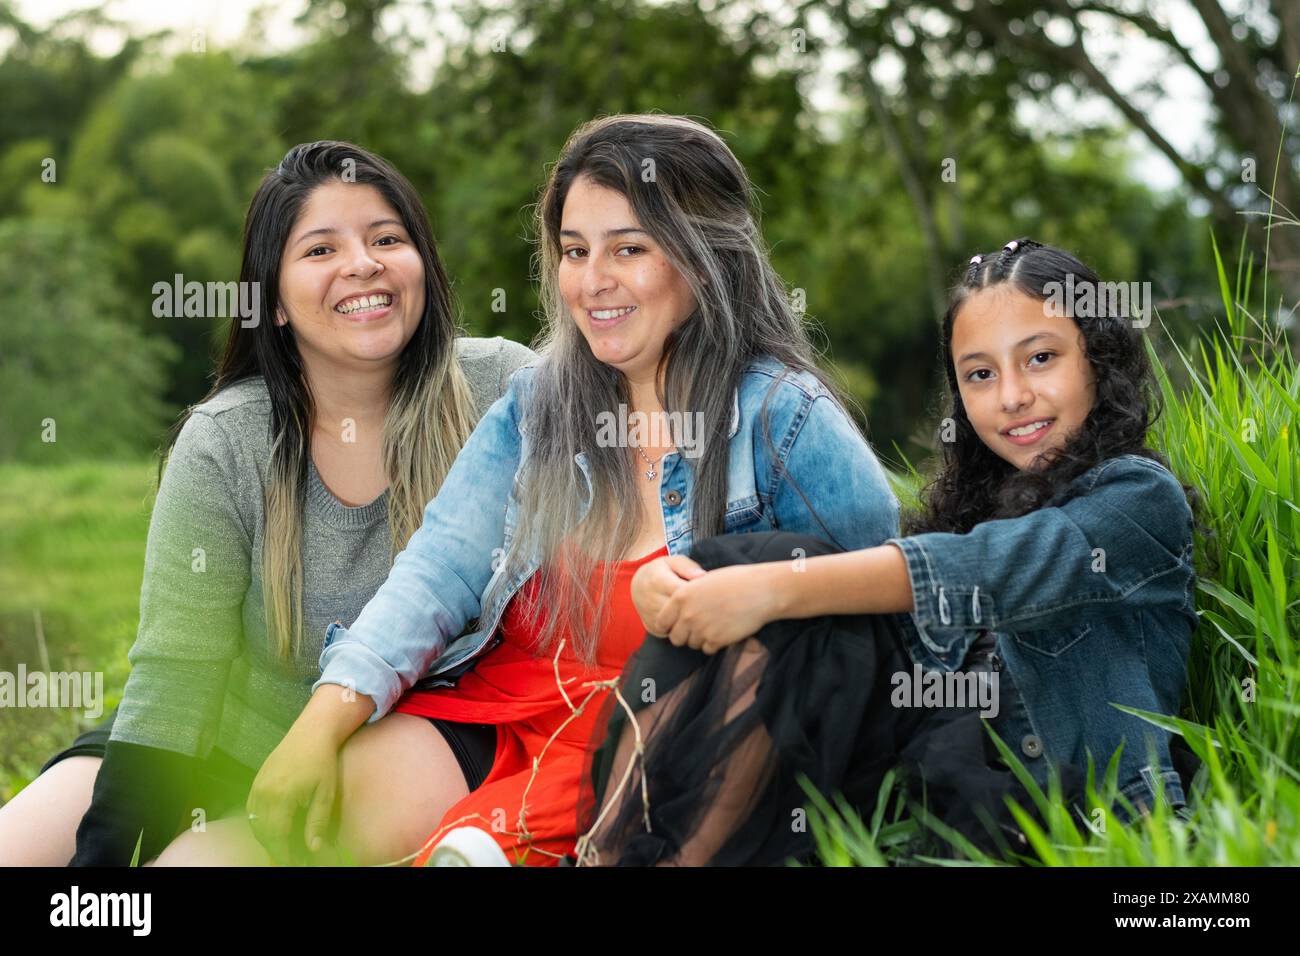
(431, 411)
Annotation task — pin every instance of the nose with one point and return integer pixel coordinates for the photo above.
(362, 264)
(596, 277)
(1015, 393)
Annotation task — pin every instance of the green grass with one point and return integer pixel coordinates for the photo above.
(72, 540)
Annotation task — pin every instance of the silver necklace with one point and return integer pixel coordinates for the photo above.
(650, 472)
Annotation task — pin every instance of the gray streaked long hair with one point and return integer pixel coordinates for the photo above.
(700, 208)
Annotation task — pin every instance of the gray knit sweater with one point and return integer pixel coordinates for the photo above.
(203, 673)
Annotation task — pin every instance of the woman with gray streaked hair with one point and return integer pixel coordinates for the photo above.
(659, 301)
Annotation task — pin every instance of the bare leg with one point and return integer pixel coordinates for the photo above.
(38, 827)
(398, 777)
(225, 842)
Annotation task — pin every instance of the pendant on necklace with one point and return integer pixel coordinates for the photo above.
(650, 475)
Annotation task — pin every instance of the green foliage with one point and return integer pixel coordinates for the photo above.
(72, 539)
(159, 162)
(76, 380)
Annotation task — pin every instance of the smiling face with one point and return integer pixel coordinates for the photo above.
(351, 280)
(1022, 373)
(620, 288)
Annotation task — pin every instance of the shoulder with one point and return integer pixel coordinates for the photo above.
(1131, 470)
(767, 373)
(488, 363)
(1142, 488)
(244, 398)
(222, 451)
(787, 397)
(235, 420)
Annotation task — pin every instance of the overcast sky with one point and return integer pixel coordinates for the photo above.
(1181, 115)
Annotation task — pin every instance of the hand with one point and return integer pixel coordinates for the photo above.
(655, 582)
(301, 772)
(723, 606)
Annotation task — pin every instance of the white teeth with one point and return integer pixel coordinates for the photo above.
(611, 313)
(1029, 429)
(364, 302)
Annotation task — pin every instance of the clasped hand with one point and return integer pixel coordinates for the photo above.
(703, 610)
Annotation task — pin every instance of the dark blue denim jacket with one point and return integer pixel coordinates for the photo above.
(1091, 603)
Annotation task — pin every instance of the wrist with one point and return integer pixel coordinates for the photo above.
(777, 586)
(334, 712)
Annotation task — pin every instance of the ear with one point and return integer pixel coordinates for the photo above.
(280, 317)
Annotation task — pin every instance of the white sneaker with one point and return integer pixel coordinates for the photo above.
(467, 846)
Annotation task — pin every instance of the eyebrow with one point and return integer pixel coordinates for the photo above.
(329, 230)
(608, 232)
(1019, 345)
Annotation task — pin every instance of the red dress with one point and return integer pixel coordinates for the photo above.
(512, 687)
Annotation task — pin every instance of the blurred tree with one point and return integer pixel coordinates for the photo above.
(50, 77)
(865, 223)
(1016, 52)
(162, 169)
(76, 380)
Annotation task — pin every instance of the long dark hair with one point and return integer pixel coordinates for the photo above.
(430, 410)
(974, 484)
(700, 206)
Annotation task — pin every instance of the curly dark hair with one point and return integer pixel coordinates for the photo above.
(974, 484)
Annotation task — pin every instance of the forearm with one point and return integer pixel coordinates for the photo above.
(140, 795)
(335, 711)
(870, 581)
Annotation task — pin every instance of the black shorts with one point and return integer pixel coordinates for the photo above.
(474, 745)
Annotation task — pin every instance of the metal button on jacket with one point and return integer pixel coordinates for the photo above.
(1031, 746)
(673, 497)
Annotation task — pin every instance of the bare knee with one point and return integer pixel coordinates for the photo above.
(397, 778)
(38, 827)
(225, 842)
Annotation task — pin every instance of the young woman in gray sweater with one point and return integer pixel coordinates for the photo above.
(337, 410)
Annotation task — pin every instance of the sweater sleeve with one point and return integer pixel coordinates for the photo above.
(196, 576)
(140, 794)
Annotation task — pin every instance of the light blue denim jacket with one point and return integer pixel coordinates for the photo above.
(409, 629)
(1091, 602)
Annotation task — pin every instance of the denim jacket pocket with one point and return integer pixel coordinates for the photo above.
(1052, 641)
(743, 516)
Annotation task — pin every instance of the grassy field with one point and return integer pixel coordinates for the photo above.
(71, 557)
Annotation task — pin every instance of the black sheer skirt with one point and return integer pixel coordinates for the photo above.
(727, 737)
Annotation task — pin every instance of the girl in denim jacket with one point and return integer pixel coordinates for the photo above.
(1051, 565)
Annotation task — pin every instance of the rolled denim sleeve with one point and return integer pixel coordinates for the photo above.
(839, 490)
(1124, 544)
(437, 582)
